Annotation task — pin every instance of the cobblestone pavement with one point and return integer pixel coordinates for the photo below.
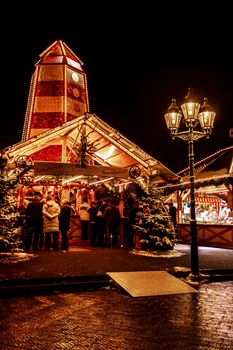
(109, 319)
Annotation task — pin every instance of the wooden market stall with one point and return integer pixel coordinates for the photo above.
(213, 201)
(73, 151)
(115, 163)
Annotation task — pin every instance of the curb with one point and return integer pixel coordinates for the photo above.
(11, 288)
(22, 287)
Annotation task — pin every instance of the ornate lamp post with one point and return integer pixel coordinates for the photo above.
(193, 114)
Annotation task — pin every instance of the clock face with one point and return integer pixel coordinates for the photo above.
(134, 171)
(75, 77)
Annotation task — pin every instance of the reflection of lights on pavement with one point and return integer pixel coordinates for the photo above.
(200, 248)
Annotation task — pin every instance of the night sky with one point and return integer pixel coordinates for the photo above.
(130, 83)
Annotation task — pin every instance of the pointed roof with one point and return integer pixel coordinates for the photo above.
(59, 52)
(58, 90)
(111, 147)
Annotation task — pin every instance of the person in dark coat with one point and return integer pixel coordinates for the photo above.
(34, 224)
(172, 212)
(64, 224)
(112, 218)
(96, 225)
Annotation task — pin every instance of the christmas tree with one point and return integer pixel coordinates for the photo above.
(10, 230)
(153, 223)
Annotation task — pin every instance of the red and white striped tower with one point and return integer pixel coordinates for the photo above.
(58, 93)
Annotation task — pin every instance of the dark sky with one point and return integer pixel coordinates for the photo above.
(130, 82)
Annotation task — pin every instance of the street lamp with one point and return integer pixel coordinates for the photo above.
(193, 114)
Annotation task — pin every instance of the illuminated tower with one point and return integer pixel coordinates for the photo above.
(58, 93)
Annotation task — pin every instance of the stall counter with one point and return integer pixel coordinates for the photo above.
(212, 235)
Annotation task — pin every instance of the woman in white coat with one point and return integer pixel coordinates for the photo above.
(51, 211)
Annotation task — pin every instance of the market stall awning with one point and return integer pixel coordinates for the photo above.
(213, 201)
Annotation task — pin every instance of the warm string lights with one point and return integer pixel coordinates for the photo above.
(100, 181)
(218, 153)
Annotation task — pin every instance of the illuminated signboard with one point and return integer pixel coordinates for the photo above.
(57, 169)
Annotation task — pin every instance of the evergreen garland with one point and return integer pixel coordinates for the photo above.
(198, 184)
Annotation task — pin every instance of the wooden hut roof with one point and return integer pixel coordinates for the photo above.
(111, 147)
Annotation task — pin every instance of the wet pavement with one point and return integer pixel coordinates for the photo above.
(97, 261)
(85, 267)
(109, 319)
(103, 317)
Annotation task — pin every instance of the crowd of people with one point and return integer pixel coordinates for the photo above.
(44, 219)
(46, 223)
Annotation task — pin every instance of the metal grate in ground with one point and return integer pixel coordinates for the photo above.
(150, 283)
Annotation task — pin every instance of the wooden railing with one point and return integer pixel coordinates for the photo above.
(215, 235)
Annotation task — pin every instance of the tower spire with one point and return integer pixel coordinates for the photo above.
(58, 91)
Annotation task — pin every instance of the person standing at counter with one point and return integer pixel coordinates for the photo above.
(213, 215)
(64, 224)
(96, 218)
(224, 213)
(112, 218)
(51, 211)
(34, 224)
(84, 218)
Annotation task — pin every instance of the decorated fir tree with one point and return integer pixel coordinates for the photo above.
(153, 223)
(10, 230)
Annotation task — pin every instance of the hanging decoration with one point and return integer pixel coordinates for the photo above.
(85, 149)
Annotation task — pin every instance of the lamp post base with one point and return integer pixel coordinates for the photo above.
(197, 279)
